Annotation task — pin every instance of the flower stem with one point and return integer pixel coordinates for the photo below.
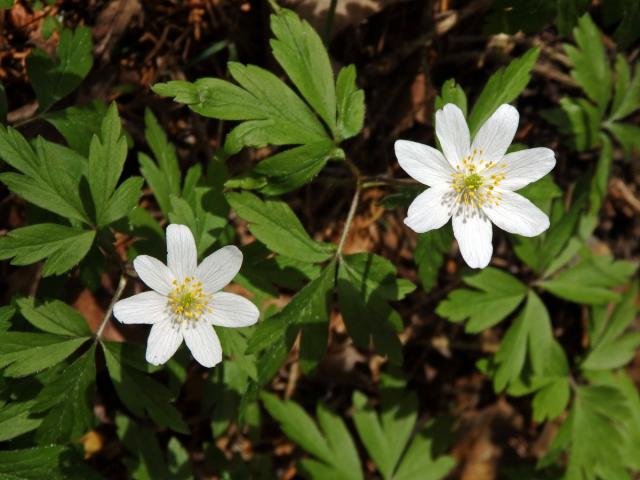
(107, 315)
(352, 208)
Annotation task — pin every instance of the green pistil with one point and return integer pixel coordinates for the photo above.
(473, 182)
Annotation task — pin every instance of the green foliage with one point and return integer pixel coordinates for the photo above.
(531, 16)
(274, 223)
(610, 346)
(137, 390)
(590, 281)
(51, 462)
(54, 79)
(609, 101)
(366, 283)
(498, 294)
(504, 86)
(388, 440)
(429, 255)
(78, 124)
(62, 247)
(273, 114)
(332, 446)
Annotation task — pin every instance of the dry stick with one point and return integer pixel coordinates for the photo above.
(116, 296)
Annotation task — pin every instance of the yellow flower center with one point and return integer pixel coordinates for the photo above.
(187, 301)
(476, 180)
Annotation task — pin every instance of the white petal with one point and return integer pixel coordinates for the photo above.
(453, 133)
(231, 310)
(164, 339)
(496, 134)
(516, 214)
(182, 256)
(154, 273)
(146, 307)
(219, 268)
(203, 343)
(422, 162)
(527, 166)
(473, 232)
(430, 210)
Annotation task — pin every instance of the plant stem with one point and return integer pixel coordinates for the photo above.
(328, 23)
(116, 296)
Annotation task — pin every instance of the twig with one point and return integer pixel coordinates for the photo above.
(116, 296)
(352, 208)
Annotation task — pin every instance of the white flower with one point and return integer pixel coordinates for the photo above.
(474, 182)
(186, 299)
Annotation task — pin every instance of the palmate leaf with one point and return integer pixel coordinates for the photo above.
(138, 391)
(498, 294)
(50, 175)
(16, 419)
(51, 462)
(388, 440)
(54, 79)
(430, 253)
(54, 317)
(366, 283)
(333, 448)
(273, 114)
(148, 462)
(62, 247)
(277, 226)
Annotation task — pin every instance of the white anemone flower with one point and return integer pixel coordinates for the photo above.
(186, 300)
(474, 183)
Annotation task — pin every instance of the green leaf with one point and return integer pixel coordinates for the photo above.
(351, 106)
(51, 174)
(333, 446)
(290, 169)
(627, 134)
(62, 247)
(123, 200)
(451, 92)
(429, 255)
(163, 174)
(626, 99)
(141, 441)
(25, 353)
(52, 79)
(54, 317)
(139, 392)
(15, 420)
(590, 280)
(34, 463)
(308, 311)
(301, 53)
(504, 86)
(271, 112)
(366, 283)
(551, 400)
(610, 346)
(274, 224)
(589, 61)
(69, 399)
(498, 294)
(107, 154)
(78, 124)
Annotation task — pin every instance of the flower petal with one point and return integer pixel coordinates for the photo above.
(422, 162)
(516, 214)
(473, 232)
(526, 166)
(203, 343)
(231, 310)
(219, 268)
(146, 307)
(154, 273)
(430, 210)
(182, 256)
(164, 339)
(496, 134)
(453, 133)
